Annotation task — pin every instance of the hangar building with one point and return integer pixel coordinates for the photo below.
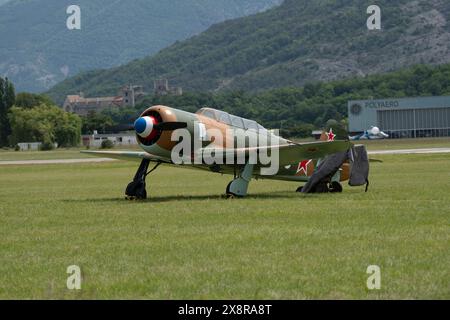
(402, 118)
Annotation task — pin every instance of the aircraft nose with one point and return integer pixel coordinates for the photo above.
(144, 126)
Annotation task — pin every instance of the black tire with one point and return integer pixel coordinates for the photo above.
(227, 190)
(136, 190)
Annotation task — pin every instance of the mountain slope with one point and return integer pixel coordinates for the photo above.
(297, 42)
(37, 50)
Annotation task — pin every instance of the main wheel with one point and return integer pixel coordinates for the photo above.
(136, 190)
(229, 194)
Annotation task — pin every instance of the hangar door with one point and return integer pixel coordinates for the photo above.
(433, 122)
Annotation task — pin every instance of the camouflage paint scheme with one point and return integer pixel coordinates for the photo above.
(297, 161)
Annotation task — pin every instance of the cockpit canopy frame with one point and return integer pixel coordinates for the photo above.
(231, 120)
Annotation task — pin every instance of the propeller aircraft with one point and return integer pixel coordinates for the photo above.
(219, 142)
(373, 133)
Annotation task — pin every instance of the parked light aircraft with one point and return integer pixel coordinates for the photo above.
(327, 162)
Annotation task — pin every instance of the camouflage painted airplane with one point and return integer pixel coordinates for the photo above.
(321, 165)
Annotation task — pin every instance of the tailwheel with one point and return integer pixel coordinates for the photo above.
(335, 187)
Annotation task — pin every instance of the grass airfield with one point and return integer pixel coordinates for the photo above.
(187, 242)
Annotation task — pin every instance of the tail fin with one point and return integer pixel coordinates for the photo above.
(334, 131)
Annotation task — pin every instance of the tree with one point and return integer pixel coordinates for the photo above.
(96, 121)
(30, 100)
(7, 98)
(46, 124)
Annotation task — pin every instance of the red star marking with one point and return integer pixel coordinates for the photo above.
(330, 135)
(303, 166)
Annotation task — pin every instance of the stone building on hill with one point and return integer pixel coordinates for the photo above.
(162, 88)
(127, 96)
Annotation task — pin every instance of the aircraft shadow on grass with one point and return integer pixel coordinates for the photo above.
(169, 198)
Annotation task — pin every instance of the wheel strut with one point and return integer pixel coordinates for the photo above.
(136, 189)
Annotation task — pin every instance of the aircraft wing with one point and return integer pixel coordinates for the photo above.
(126, 155)
(299, 151)
(288, 152)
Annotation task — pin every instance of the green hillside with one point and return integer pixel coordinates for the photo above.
(298, 110)
(297, 42)
(37, 50)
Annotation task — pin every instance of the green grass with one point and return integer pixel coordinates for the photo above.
(188, 242)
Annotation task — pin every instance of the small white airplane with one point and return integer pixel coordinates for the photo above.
(371, 134)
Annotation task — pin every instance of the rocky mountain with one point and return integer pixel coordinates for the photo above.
(37, 50)
(298, 42)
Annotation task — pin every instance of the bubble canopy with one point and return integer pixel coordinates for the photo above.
(231, 120)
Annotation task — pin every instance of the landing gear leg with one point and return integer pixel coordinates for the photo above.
(136, 189)
(239, 186)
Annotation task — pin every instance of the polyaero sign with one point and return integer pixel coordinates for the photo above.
(377, 104)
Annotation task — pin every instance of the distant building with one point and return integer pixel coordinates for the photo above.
(130, 94)
(80, 105)
(161, 88)
(32, 146)
(120, 139)
(402, 118)
(29, 146)
(317, 134)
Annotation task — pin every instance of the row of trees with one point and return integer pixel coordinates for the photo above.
(27, 117)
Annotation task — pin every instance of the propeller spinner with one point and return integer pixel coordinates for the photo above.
(148, 126)
(145, 126)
